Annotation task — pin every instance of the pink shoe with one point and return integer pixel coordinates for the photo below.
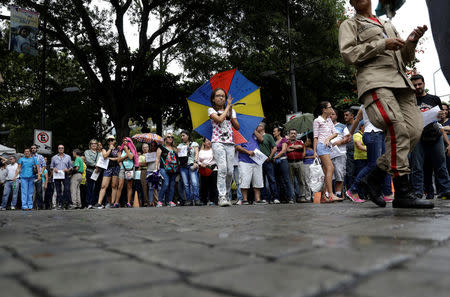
(171, 204)
(387, 199)
(353, 198)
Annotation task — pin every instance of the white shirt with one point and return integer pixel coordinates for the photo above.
(11, 171)
(368, 126)
(206, 157)
(339, 150)
(222, 132)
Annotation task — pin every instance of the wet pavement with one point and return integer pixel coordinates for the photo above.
(339, 249)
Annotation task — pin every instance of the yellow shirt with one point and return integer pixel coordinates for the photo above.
(83, 175)
(359, 154)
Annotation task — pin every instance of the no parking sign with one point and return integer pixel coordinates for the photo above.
(43, 140)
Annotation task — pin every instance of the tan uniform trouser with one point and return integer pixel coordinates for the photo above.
(395, 111)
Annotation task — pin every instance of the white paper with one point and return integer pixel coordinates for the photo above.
(431, 115)
(182, 151)
(102, 162)
(259, 157)
(150, 157)
(95, 175)
(335, 152)
(59, 175)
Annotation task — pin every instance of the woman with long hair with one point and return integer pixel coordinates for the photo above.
(187, 152)
(111, 174)
(324, 132)
(223, 120)
(128, 159)
(167, 164)
(281, 165)
(208, 173)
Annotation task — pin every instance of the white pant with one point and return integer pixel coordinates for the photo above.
(224, 156)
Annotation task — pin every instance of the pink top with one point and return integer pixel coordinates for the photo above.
(221, 132)
(323, 128)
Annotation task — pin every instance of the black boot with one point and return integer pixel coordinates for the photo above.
(405, 197)
(369, 187)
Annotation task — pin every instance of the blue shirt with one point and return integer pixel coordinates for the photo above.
(61, 163)
(309, 153)
(26, 167)
(129, 164)
(251, 145)
(40, 160)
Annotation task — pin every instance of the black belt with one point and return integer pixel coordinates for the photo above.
(295, 160)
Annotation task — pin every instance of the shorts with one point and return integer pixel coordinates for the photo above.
(113, 171)
(322, 149)
(122, 173)
(339, 167)
(250, 173)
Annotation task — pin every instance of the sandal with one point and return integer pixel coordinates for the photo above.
(336, 198)
(324, 199)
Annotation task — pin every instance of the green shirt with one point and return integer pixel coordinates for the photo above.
(267, 145)
(79, 163)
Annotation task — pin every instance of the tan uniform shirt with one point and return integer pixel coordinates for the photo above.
(362, 43)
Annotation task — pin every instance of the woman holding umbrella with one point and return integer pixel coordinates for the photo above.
(223, 120)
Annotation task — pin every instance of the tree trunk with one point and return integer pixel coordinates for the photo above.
(121, 126)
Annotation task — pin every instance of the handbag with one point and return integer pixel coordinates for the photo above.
(316, 177)
(129, 173)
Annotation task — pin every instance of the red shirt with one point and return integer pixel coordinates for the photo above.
(375, 20)
(296, 154)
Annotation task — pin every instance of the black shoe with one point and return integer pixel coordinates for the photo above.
(430, 196)
(405, 197)
(189, 203)
(369, 187)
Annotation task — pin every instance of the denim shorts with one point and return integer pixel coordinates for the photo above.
(322, 149)
(113, 171)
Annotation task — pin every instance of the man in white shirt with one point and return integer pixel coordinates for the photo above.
(10, 185)
(339, 153)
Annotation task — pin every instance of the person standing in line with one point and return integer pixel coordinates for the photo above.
(27, 169)
(110, 174)
(91, 157)
(380, 55)
(187, 152)
(208, 174)
(10, 185)
(295, 149)
(349, 163)
(308, 159)
(266, 145)
(143, 174)
(75, 181)
(39, 200)
(445, 122)
(167, 164)
(282, 165)
(61, 164)
(152, 186)
(128, 160)
(339, 154)
(223, 120)
(324, 132)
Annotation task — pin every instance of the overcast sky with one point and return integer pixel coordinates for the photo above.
(412, 14)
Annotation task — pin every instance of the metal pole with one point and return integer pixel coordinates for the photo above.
(291, 64)
(43, 70)
(434, 80)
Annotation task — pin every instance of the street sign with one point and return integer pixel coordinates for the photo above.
(293, 116)
(43, 140)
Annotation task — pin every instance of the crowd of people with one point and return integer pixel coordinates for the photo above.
(202, 174)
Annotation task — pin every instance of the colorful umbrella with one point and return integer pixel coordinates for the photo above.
(389, 7)
(246, 102)
(148, 137)
(303, 124)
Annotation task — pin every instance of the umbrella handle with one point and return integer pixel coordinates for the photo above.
(240, 103)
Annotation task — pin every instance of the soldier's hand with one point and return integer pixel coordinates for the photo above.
(417, 33)
(394, 44)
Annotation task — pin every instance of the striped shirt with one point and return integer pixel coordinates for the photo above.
(323, 128)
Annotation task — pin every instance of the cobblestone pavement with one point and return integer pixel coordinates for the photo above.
(339, 249)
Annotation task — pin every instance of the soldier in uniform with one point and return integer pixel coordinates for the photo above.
(380, 55)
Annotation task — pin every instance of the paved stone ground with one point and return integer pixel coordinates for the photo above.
(339, 249)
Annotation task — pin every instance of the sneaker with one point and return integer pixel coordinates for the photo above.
(115, 205)
(276, 201)
(13, 208)
(99, 206)
(171, 204)
(128, 205)
(2, 208)
(387, 199)
(261, 202)
(239, 202)
(291, 201)
(159, 204)
(108, 205)
(90, 207)
(223, 201)
(353, 198)
(211, 203)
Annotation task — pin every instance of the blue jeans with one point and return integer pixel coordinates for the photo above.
(436, 154)
(27, 190)
(7, 190)
(375, 145)
(236, 181)
(190, 182)
(168, 186)
(90, 189)
(63, 198)
(270, 186)
(283, 182)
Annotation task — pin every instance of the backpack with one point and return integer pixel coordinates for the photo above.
(171, 162)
